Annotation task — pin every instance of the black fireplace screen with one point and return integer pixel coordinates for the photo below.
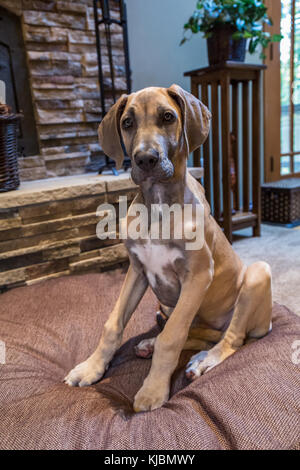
(108, 88)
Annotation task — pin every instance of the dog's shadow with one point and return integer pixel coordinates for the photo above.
(126, 374)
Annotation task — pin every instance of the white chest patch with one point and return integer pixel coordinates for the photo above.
(155, 257)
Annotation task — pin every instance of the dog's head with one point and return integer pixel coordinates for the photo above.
(158, 126)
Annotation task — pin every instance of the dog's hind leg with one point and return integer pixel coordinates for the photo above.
(199, 339)
(194, 344)
(251, 320)
(146, 347)
(202, 339)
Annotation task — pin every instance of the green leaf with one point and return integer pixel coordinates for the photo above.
(246, 17)
(277, 37)
(253, 45)
(237, 35)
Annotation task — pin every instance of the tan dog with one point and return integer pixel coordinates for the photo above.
(214, 302)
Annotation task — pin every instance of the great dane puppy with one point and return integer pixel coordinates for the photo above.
(214, 303)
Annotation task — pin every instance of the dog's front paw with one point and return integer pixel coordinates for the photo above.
(85, 373)
(150, 397)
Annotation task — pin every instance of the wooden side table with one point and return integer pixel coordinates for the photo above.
(230, 176)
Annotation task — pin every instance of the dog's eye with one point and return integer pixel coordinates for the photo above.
(169, 117)
(127, 123)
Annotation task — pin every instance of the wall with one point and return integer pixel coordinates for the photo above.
(155, 30)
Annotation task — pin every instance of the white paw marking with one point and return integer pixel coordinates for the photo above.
(145, 348)
(84, 374)
(200, 363)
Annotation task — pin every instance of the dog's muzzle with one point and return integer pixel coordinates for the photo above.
(152, 165)
(146, 161)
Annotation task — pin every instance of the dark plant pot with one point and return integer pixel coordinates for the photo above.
(221, 47)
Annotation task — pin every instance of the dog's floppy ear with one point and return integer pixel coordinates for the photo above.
(196, 117)
(109, 132)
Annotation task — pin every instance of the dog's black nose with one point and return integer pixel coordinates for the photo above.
(146, 161)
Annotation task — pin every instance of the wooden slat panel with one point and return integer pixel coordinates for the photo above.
(206, 152)
(196, 154)
(235, 144)
(216, 149)
(227, 211)
(246, 179)
(229, 149)
(256, 172)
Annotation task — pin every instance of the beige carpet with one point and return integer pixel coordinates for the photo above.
(280, 247)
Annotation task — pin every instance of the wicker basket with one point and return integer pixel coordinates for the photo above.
(9, 175)
(281, 201)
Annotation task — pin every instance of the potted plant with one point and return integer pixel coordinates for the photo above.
(228, 25)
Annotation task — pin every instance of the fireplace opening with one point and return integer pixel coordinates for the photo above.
(14, 72)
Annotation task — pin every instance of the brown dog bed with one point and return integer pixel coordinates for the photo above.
(250, 401)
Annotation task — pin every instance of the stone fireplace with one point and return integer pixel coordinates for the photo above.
(48, 60)
(48, 225)
(56, 83)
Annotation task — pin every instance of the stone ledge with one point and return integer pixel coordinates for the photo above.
(70, 187)
(54, 189)
(67, 156)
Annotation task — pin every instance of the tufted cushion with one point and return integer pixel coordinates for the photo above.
(250, 401)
